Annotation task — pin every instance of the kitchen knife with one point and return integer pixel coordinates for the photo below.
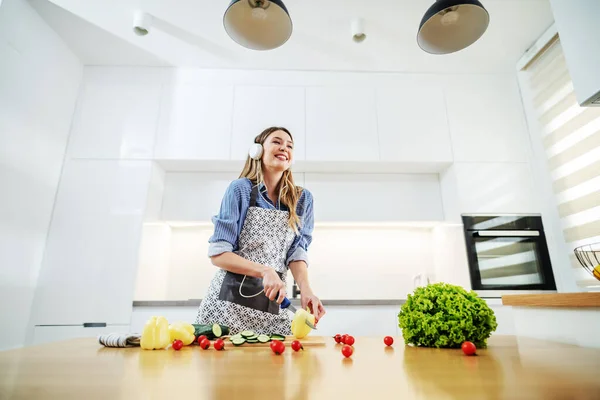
(287, 304)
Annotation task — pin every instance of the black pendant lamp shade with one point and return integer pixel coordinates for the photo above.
(452, 25)
(258, 24)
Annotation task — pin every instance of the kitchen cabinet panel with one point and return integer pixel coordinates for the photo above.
(412, 124)
(259, 107)
(49, 334)
(341, 124)
(486, 119)
(197, 196)
(116, 115)
(195, 122)
(488, 188)
(89, 267)
(375, 197)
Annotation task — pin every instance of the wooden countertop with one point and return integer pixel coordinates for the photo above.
(510, 368)
(571, 300)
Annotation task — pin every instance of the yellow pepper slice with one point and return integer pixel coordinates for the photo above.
(182, 331)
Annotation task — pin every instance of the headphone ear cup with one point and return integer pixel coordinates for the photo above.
(255, 151)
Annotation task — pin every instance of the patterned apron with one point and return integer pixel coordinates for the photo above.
(265, 238)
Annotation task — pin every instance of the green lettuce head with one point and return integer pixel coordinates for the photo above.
(445, 315)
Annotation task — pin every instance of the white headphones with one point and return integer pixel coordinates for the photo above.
(256, 150)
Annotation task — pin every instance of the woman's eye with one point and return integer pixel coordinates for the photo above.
(290, 147)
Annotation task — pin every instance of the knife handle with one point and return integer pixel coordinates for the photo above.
(285, 303)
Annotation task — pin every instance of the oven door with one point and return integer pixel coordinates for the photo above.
(509, 261)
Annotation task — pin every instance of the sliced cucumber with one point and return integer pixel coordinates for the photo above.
(252, 340)
(263, 338)
(217, 331)
(247, 334)
(238, 341)
(277, 337)
(253, 337)
(238, 336)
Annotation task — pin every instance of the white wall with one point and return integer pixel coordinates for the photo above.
(39, 83)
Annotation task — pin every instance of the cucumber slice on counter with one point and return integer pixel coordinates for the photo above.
(263, 338)
(238, 336)
(238, 341)
(247, 334)
(277, 337)
(251, 340)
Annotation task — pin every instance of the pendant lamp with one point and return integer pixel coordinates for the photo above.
(452, 25)
(258, 24)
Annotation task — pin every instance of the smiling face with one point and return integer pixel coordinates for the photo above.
(278, 151)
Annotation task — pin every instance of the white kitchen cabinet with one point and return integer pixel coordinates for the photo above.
(486, 118)
(116, 114)
(89, 267)
(412, 124)
(488, 188)
(375, 197)
(341, 124)
(197, 196)
(259, 107)
(49, 334)
(195, 122)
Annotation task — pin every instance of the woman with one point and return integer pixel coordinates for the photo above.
(264, 228)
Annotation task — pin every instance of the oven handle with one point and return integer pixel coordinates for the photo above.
(507, 233)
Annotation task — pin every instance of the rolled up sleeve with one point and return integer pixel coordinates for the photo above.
(226, 222)
(299, 249)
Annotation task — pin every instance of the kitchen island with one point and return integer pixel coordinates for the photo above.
(510, 368)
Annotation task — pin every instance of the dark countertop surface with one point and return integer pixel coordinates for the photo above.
(196, 302)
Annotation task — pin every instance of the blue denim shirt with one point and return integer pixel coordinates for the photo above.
(234, 206)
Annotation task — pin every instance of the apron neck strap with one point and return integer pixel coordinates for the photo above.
(253, 196)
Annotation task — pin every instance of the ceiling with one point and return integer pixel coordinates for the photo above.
(190, 33)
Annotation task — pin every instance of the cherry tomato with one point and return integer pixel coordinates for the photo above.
(344, 336)
(205, 344)
(388, 340)
(349, 340)
(177, 344)
(219, 344)
(468, 348)
(338, 338)
(347, 350)
(277, 347)
(201, 338)
(296, 345)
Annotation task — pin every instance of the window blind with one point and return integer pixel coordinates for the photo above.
(570, 135)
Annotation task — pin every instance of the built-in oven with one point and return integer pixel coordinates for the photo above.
(507, 254)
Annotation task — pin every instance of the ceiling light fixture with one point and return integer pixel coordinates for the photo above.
(258, 24)
(452, 25)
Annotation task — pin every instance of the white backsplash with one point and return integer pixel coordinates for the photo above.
(347, 261)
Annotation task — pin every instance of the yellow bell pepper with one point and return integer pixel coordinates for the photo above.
(182, 331)
(299, 328)
(155, 334)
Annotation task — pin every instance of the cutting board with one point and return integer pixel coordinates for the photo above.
(308, 341)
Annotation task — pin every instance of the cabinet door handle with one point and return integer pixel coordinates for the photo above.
(94, 324)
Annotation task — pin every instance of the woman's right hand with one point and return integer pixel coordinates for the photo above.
(273, 285)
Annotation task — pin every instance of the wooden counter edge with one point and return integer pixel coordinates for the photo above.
(566, 300)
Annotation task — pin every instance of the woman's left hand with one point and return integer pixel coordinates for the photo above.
(313, 303)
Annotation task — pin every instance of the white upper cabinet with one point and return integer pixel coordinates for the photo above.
(412, 123)
(486, 118)
(116, 114)
(90, 262)
(195, 122)
(341, 124)
(375, 197)
(259, 107)
(484, 188)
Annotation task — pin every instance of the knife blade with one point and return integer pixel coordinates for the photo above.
(287, 304)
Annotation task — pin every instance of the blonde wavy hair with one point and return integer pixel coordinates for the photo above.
(288, 191)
